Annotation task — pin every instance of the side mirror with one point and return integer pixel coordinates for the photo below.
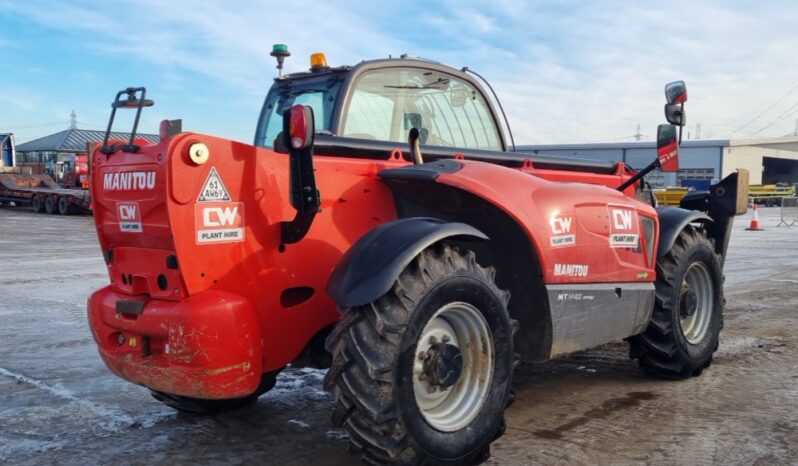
(667, 148)
(675, 115)
(676, 92)
(676, 96)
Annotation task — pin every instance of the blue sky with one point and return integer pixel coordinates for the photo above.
(566, 71)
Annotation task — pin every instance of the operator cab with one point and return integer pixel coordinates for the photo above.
(382, 100)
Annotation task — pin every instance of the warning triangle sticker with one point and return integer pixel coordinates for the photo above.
(213, 190)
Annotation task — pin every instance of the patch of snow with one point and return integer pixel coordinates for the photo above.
(117, 420)
(737, 345)
(301, 424)
(337, 434)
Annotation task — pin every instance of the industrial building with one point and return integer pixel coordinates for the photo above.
(771, 160)
(61, 153)
(57, 147)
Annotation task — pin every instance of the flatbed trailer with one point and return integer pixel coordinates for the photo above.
(42, 194)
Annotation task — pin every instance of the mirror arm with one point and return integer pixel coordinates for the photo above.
(639, 175)
(293, 231)
(304, 195)
(681, 127)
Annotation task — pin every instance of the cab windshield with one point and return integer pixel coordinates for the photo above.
(318, 94)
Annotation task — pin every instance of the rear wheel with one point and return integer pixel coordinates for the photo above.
(64, 208)
(688, 314)
(203, 406)
(51, 204)
(36, 204)
(422, 375)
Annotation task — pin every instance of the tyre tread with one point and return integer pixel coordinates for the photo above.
(364, 346)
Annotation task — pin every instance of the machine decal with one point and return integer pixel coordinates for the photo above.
(129, 181)
(129, 217)
(624, 227)
(213, 190)
(575, 297)
(570, 270)
(219, 222)
(561, 230)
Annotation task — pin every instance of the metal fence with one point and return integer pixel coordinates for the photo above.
(789, 211)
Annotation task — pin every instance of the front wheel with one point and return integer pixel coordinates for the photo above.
(688, 315)
(422, 375)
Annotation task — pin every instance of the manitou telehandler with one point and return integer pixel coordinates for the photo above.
(381, 227)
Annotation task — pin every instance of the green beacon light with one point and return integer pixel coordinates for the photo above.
(280, 51)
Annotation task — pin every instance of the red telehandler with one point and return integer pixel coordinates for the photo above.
(383, 227)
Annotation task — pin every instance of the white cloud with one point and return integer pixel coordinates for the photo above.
(565, 70)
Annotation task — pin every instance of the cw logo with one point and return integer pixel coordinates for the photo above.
(561, 225)
(219, 217)
(128, 211)
(622, 219)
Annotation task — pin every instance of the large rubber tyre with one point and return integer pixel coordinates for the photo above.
(375, 357)
(677, 344)
(64, 207)
(51, 205)
(36, 204)
(203, 406)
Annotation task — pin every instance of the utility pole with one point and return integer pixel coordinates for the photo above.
(638, 136)
(698, 130)
(73, 120)
(795, 133)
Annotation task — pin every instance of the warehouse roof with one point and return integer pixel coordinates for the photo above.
(653, 144)
(74, 140)
(622, 145)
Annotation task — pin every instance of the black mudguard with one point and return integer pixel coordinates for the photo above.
(672, 221)
(370, 267)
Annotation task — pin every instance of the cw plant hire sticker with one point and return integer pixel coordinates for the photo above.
(216, 218)
(624, 227)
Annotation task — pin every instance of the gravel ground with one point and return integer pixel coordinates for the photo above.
(59, 405)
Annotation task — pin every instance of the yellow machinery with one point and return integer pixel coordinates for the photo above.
(670, 196)
(770, 194)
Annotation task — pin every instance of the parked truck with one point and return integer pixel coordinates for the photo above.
(382, 226)
(19, 187)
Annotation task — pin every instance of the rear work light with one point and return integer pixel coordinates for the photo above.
(300, 126)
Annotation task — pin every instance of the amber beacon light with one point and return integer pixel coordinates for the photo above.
(318, 61)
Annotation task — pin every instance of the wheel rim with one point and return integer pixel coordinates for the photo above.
(450, 403)
(696, 302)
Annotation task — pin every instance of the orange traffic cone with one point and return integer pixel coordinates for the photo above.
(755, 221)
